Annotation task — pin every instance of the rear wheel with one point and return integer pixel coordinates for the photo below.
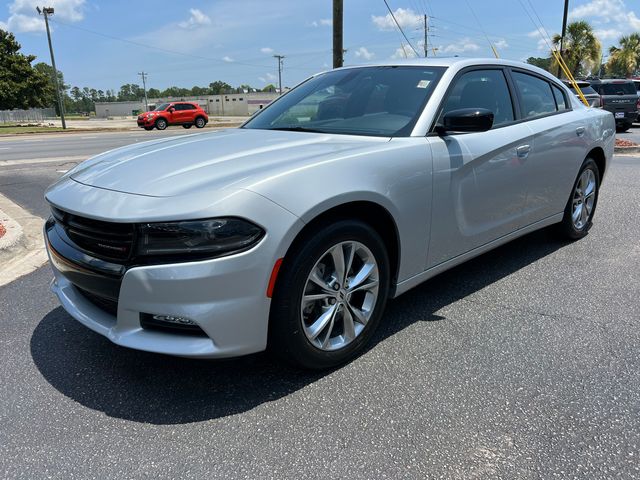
(200, 122)
(161, 124)
(578, 214)
(330, 295)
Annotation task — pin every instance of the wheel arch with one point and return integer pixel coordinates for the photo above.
(370, 212)
(598, 155)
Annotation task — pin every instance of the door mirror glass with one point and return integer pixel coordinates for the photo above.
(467, 120)
(171, 109)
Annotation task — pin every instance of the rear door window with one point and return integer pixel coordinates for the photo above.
(622, 88)
(535, 94)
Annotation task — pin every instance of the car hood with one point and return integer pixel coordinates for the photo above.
(233, 158)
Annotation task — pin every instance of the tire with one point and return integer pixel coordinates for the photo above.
(161, 124)
(187, 125)
(148, 128)
(576, 229)
(291, 332)
(200, 122)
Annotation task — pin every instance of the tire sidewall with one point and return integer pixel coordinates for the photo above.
(161, 124)
(286, 333)
(200, 123)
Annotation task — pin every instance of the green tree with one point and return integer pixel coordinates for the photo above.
(541, 62)
(270, 88)
(47, 70)
(581, 49)
(219, 87)
(153, 93)
(21, 85)
(624, 61)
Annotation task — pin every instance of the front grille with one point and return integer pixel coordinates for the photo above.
(113, 241)
(105, 304)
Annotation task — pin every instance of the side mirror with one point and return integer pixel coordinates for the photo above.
(171, 110)
(466, 120)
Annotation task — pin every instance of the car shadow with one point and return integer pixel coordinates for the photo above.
(159, 389)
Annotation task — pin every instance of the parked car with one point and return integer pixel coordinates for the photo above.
(636, 82)
(593, 98)
(186, 114)
(619, 97)
(292, 231)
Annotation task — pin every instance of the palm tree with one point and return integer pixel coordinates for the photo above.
(625, 60)
(581, 49)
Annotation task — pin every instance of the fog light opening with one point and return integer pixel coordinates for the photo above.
(170, 324)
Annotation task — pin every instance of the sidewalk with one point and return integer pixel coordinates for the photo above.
(129, 123)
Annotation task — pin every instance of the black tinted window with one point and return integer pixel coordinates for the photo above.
(184, 106)
(482, 89)
(537, 98)
(622, 88)
(586, 90)
(561, 102)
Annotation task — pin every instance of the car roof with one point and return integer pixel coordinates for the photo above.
(611, 80)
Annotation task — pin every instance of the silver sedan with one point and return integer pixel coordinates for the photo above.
(293, 231)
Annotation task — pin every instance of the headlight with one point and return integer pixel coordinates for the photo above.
(201, 238)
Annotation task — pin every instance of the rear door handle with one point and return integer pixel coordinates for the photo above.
(580, 131)
(523, 151)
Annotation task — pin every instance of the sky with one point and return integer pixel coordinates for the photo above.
(105, 44)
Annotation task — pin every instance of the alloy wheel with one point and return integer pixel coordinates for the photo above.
(340, 295)
(584, 197)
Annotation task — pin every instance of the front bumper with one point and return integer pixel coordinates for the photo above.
(225, 297)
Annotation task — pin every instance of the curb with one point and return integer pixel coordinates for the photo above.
(72, 130)
(626, 150)
(21, 251)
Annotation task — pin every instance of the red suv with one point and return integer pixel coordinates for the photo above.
(174, 113)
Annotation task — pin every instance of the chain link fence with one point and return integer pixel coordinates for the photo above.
(33, 115)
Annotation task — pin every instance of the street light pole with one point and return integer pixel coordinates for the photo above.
(280, 60)
(144, 87)
(46, 11)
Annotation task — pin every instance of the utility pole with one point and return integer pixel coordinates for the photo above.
(280, 62)
(46, 11)
(564, 30)
(338, 52)
(426, 36)
(144, 76)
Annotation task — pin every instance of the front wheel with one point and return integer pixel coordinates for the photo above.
(578, 214)
(161, 124)
(330, 295)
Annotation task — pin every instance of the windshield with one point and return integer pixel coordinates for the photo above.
(379, 101)
(162, 107)
(622, 88)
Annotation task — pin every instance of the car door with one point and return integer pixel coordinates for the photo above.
(558, 148)
(180, 113)
(479, 179)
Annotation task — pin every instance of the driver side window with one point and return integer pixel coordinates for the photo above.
(482, 89)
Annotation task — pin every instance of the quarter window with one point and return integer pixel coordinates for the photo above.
(537, 97)
(561, 101)
(482, 89)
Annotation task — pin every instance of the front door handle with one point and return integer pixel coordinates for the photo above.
(580, 131)
(523, 151)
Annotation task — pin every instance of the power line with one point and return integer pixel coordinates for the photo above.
(400, 28)
(480, 25)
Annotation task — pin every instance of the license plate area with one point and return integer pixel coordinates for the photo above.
(619, 114)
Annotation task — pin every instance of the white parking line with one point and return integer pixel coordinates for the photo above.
(87, 138)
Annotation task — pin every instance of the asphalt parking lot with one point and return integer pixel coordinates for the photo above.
(522, 363)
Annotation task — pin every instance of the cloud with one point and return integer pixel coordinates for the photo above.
(406, 18)
(543, 43)
(4, 26)
(197, 19)
(24, 18)
(618, 19)
(405, 51)
(502, 43)
(363, 53)
(323, 22)
(266, 50)
(271, 77)
(227, 58)
(461, 46)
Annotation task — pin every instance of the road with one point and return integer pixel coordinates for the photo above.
(522, 363)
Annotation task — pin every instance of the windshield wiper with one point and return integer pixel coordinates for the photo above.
(298, 128)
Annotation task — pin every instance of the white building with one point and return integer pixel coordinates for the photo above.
(232, 104)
